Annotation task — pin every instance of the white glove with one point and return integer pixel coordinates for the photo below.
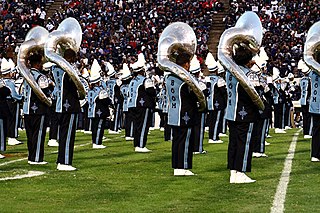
(254, 79)
(103, 94)
(118, 82)
(2, 83)
(221, 82)
(43, 82)
(202, 86)
(148, 83)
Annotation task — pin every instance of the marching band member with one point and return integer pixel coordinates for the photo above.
(176, 47)
(223, 105)
(241, 115)
(124, 88)
(215, 101)
(52, 115)
(278, 102)
(67, 108)
(260, 126)
(99, 102)
(36, 92)
(115, 95)
(4, 109)
(305, 85)
(311, 57)
(182, 122)
(141, 103)
(165, 107)
(199, 125)
(35, 111)
(13, 101)
(237, 47)
(69, 89)
(315, 112)
(83, 115)
(288, 89)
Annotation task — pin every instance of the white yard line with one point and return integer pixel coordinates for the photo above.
(280, 196)
(22, 159)
(28, 175)
(13, 161)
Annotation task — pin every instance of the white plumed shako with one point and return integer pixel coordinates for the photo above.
(211, 63)
(195, 65)
(95, 72)
(5, 66)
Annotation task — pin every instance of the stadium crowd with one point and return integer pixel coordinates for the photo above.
(116, 30)
(285, 24)
(113, 31)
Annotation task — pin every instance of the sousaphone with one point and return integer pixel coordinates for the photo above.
(311, 46)
(67, 36)
(34, 42)
(248, 30)
(175, 38)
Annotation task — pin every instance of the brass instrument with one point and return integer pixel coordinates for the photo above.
(179, 37)
(311, 46)
(34, 42)
(248, 30)
(67, 36)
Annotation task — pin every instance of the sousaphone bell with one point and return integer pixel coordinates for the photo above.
(34, 42)
(67, 36)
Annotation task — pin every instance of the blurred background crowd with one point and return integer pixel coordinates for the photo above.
(113, 31)
(117, 30)
(285, 26)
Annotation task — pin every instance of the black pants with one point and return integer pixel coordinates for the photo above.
(162, 121)
(167, 128)
(315, 147)
(86, 120)
(128, 124)
(199, 133)
(287, 115)
(67, 133)
(36, 134)
(224, 123)
(153, 119)
(13, 119)
(115, 124)
(279, 110)
(98, 126)
(307, 125)
(81, 118)
(141, 122)
(54, 125)
(215, 122)
(240, 146)
(259, 138)
(182, 147)
(3, 134)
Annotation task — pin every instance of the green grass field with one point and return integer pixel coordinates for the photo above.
(116, 179)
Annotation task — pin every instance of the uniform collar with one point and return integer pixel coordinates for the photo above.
(34, 69)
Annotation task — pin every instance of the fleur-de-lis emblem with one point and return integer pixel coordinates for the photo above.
(66, 105)
(141, 101)
(34, 107)
(243, 113)
(186, 118)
